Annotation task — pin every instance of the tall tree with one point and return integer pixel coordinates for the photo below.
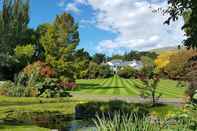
(14, 19)
(59, 41)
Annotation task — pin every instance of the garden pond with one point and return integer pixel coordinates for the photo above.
(51, 120)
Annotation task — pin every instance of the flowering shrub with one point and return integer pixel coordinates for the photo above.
(39, 79)
(47, 71)
(68, 85)
(42, 68)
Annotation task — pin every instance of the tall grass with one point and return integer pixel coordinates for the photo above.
(132, 123)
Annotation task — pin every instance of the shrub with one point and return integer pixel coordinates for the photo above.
(195, 97)
(41, 80)
(5, 87)
(127, 72)
(192, 90)
(9, 66)
(25, 53)
(92, 109)
(50, 87)
(105, 71)
(37, 79)
(68, 85)
(41, 68)
(8, 88)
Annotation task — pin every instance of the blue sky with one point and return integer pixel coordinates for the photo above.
(112, 27)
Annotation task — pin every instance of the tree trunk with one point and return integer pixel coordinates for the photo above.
(153, 98)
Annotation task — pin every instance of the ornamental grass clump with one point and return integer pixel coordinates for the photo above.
(124, 123)
(121, 122)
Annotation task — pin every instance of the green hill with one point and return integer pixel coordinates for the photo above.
(160, 50)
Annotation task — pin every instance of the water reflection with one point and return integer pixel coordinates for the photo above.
(51, 120)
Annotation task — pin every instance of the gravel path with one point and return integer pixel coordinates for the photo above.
(171, 101)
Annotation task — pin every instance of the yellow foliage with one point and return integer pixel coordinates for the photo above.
(163, 59)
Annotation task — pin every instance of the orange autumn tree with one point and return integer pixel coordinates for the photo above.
(172, 62)
(175, 68)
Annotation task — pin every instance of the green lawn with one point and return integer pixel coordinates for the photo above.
(117, 86)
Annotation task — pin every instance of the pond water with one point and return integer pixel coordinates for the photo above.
(56, 121)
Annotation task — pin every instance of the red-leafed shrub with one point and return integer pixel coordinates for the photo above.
(68, 85)
(41, 68)
(47, 71)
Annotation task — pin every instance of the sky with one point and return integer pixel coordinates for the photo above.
(113, 26)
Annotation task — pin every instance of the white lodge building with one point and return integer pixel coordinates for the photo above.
(118, 64)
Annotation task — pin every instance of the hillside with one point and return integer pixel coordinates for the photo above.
(160, 50)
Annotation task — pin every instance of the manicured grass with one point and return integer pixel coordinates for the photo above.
(14, 104)
(117, 86)
(22, 128)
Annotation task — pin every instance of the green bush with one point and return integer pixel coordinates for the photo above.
(127, 72)
(105, 71)
(5, 87)
(195, 97)
(92, 109)
(51, 87)
(9, 66)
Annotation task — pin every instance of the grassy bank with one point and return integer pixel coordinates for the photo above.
(10, 107)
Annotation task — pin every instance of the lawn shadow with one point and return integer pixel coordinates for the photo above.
(95, 87)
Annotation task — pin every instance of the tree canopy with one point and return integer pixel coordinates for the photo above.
(59, 41)
(14, 19)
(188, 9)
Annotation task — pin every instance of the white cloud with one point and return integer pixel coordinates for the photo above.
(61, 3)
(73, 5)
(138, 28)
(135, 24)
(80, 1)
